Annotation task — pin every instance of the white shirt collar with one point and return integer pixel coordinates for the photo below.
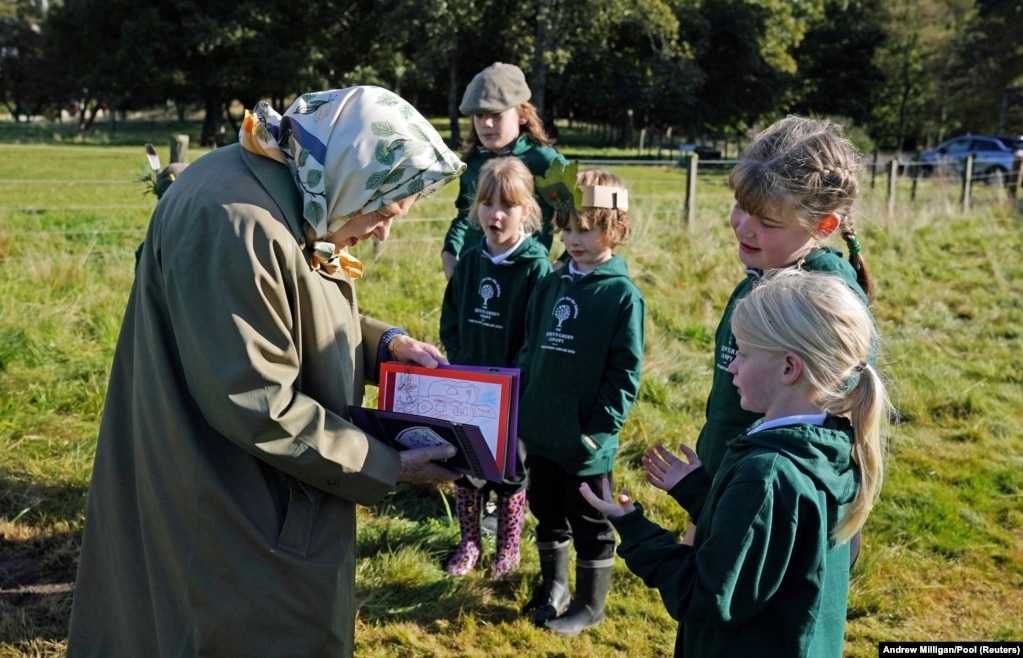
(503, 256)
(808, 419)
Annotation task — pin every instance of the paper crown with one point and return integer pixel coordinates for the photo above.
(605, 196)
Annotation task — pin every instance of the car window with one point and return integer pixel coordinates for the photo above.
(982, 144)
(958, 147)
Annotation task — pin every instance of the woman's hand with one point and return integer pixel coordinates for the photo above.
(607, 505)
(406, 348)
(664, 470)
(419, 465)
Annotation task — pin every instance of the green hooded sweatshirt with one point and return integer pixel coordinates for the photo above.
(482, 319)
(725, 417)
(462, 234)
(763, 577)
(581, 366)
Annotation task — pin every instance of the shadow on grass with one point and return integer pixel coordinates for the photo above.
(38, 558)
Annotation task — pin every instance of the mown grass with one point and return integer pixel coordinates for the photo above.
(942, 555)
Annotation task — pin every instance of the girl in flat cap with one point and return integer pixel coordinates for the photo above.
(504, 123)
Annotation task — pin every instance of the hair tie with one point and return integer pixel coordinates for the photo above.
(854, 245)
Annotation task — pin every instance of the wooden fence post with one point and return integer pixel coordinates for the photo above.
(967, 183)
(893, 174)
(179, 148)
(1016, 178)
(690, 209)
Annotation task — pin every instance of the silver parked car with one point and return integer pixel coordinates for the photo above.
(992, 156)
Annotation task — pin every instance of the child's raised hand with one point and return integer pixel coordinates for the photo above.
(664, 470)
(606, 505)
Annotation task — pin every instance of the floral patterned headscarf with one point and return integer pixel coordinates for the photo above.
(350, 151)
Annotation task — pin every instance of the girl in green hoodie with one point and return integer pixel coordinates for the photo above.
(766, 571)
(795, 186)
(482, 324)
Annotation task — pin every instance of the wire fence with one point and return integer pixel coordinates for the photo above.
(32, 208)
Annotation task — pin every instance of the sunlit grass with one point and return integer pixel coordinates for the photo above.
(942, 555)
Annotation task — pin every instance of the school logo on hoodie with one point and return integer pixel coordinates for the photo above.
(565, 310)
(489, 289)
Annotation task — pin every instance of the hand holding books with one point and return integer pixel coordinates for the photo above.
(419, 465)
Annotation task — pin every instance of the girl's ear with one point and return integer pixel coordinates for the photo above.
(791, 368)
(827, 225)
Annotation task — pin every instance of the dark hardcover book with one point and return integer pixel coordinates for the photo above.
(404, 431)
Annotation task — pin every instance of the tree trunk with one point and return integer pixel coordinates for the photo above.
(453, 88)
(544, 44)
(213, 122)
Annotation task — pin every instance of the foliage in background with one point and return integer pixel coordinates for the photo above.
(908, 72)
(943, 554)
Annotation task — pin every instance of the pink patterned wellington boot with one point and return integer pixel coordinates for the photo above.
(467, 502)
(510, 512)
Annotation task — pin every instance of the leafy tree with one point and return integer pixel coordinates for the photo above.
(912, 103)
(835, 62)
(28, 82)
(748, 56)
(986, 90)
(452, 41)
(613, 61)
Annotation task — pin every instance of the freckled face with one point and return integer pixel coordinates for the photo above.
(501, 222)
(770, 242)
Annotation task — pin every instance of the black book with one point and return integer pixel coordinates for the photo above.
(403, 431)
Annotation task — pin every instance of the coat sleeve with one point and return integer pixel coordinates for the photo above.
(454, 239)
(737, 567)
(620, 382)
(691, 492)
(263, 353)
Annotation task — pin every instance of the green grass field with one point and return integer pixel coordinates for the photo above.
(943, 550)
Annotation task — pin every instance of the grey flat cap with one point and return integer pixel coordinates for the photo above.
(495, 89)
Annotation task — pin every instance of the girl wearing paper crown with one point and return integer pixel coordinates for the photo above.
(580, 375)
(504, 123)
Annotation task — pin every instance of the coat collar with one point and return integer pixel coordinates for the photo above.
(276, 180)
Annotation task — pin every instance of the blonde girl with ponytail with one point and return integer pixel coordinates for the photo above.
(765, 572)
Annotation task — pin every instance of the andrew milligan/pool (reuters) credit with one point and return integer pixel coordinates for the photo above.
(949, 648)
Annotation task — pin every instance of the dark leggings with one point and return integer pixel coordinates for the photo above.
(562, 513)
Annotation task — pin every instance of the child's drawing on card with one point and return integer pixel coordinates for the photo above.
(468, 403)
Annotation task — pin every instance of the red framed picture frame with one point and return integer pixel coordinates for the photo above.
(469, 395)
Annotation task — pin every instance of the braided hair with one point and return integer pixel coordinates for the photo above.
(807, 165)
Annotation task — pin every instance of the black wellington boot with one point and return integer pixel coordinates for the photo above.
(592, 582)
(551, 598)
